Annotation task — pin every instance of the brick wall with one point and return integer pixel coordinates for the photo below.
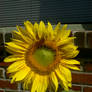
(82, 81)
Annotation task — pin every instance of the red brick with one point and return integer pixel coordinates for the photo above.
(1, 90)
(13, 91)
(1, 53)
(76, 88)
(4, 64)
(7, 75)
(8, 37)
(89, 39)
(7, 84)
(88, 67)
(82, 78)
(2, 73)
(1, 47)
(80, 39)
(1, 39)
(87, 89)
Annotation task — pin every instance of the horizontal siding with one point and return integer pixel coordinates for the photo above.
(14, 12)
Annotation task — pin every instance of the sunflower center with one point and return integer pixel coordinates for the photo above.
(44, 56)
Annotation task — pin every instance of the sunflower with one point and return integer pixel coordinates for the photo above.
(42, 56)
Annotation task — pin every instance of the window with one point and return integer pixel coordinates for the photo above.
(14, 12)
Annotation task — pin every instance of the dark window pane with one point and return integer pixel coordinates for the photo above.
(66, 11)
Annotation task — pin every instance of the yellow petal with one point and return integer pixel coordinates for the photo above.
(35, 84)
(20, 43)
(44, 81)
(64, 27)
(14, 46)
(70, 84)
(73, 54)
(29, 29)
(40, 84)
(16, 66)
(54, 80)
(67, 54)
(17, 35)
(41, 29)
(28, 22)
(73, 67)
(20, 36)
(63, 81)
(13, 58)
(69, 47)
(63, 33)
(36, 28)
(66, 41)
(66, 73)
(56, 31)
(70, 61)
(50, 31)
(13, 51)
(20, 75)
(21, 30)
(57, 28)
(50, 28)
(28, 79)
